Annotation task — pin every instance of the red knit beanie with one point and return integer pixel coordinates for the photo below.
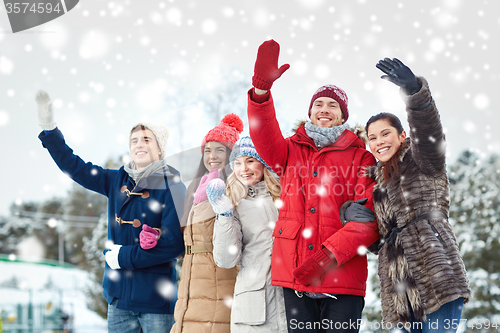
(227, 132)
(333, 92)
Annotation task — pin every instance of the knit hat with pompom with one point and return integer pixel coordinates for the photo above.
(227, 132)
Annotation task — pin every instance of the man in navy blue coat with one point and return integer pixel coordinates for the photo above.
(144, 195)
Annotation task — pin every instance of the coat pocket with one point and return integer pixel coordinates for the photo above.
(286, 229)
(145, 289)
(249, 303)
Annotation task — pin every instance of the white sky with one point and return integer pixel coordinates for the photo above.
(110, 64)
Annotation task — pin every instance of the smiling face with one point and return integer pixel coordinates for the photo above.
(326, 112)
(144, 148)
(214, 155)
(384, 139)
(248, 170)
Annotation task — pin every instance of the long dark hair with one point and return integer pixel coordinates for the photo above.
(202, 170)
(391, 167)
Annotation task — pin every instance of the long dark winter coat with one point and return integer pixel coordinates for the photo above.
(421, 264)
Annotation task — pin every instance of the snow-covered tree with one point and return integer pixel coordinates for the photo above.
(80, 204)
(474, 212)
(92, 248)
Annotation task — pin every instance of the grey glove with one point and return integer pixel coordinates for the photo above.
(355, 211)
(45, 115)
(399, 74)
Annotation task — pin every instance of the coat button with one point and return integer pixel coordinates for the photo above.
(315, 174)
(280, 232)
(436, 234)
(310, 246)
(312, 210)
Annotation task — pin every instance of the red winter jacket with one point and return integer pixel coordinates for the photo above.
(315, 183)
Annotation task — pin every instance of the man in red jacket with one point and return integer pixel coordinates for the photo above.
(318, 259)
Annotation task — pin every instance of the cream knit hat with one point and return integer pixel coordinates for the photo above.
(160, 132)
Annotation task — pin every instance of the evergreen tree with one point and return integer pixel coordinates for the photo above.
(474, 212)
(92, 248)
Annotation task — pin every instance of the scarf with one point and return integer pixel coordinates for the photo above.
(137, 175)
(324, 136)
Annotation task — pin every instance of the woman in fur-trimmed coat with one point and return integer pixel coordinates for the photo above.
(422, 275)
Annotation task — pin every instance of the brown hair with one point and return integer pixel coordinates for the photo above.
(391, 167)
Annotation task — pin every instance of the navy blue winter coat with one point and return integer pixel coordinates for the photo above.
(146, 280)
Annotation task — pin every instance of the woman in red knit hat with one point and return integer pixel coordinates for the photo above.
(205, 290)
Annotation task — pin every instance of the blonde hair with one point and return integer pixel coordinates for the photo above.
(236, 191)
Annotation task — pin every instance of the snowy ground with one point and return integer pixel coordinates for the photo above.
(47, 285)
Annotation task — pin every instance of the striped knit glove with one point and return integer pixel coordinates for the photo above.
(313, 268)
(45, 114)
(220, 203)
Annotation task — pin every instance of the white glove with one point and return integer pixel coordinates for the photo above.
(112, 257)
(221, 204)
(45, 115)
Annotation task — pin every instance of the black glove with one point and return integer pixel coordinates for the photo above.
(355, 211)
(399, 74)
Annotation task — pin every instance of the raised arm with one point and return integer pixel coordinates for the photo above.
(264, 127)
(426, 131)
(90, 176)
(227, 236)
(228, 241)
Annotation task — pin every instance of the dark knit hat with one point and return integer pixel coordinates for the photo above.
(333, 92)
(227, 132)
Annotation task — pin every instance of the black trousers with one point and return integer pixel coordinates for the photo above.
(323, 315)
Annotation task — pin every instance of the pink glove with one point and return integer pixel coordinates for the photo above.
(201, 193)
(266, 69)
(148, 237)
(313, 268)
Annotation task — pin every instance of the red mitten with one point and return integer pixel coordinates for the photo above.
(266, 69)
(313, 268)
(148, 237)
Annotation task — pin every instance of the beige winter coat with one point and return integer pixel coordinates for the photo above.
(205, 290)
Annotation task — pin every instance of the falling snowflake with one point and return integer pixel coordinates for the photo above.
(154, 206)
(94, 45)
(209, 26)
(166, 288)
(232, 249)
(6, 66)
(228, 301)
(307, 233)
(113, 275)
(362, 250)
(278, 203)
